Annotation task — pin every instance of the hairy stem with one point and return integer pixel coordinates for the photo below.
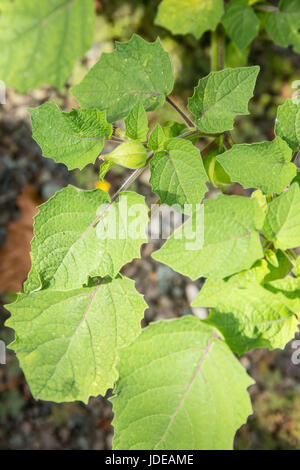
(182, 113)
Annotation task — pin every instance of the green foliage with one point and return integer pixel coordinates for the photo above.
(246, 313)
(189, 16)
(78, 320)
(73, 241)
(177, 402)
(68, 342)
(38, 40)
(265, 165)
(177, 173)
(287, 124)
(157, 138)
(230, 242)
(74, 138)
(137, 123)
(221, 96)
(283, 25)
(282, 224)
(240, 22)
(137, 71)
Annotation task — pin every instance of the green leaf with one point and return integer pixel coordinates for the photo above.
(136, 71)
(287, 124)
(282, 223)
(136, 123)
(247, 314)
(289, 288)
(177, 173)
(283, 268)
(157, 138)
(74, 240)
(74, 138)
(217, 175)
(283, 25)
(263, 165)
(189, 390)
(104, 168)
(189, 16)
(220, 96)
(68, 342)
(174, 128)
(38, 40)
(231, 239)
(240, 22)
(296, 269)
(235, 57)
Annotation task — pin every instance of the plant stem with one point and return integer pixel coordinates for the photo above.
(265, 8)
(217, 52)
(182, 113)
(124, 186)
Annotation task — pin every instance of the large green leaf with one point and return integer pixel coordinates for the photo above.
(41, 40)
(240, 22)
(230, 243)
(177, 173)
(221, 96)
(282, 223)
(247, 314)
(283, 25)
(189, 390)
(74, 138)
(263, 165)
(136, 71)
(189, 16)
(287, 124)
(74, 241)
(68, 342)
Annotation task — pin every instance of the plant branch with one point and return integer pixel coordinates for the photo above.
(265, 8)
(182, 113)
(217, 52)
(124, 186)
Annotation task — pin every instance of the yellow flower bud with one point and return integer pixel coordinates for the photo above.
(131, 154)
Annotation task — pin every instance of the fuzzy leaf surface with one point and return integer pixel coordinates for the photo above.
(189, 16)
(282, 223)
(221, 96)
(248, 314)
(73, 241)
(229, 244)
(68, 342)
(240, 22)
(263, 165)
(74, 138)
(287, 124)
(177, 173)
(186, 384)
(283, 25)
(38, 43)
(136, 71)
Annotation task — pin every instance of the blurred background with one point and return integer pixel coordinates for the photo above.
(27, 179)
